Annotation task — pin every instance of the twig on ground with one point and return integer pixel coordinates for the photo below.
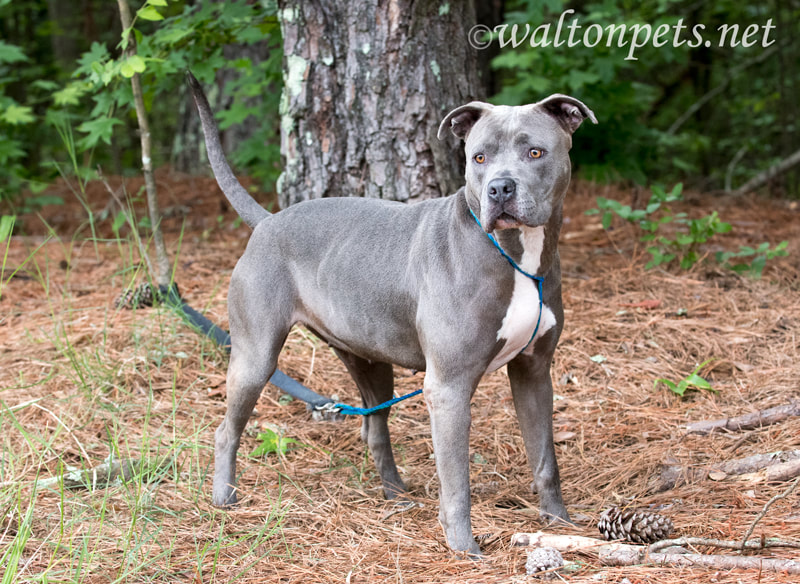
(763, 512)
(104, 474)
(632, 557)
(753, 544)
(775, 473)
(618, 554)
(780, 466)
(747, 421)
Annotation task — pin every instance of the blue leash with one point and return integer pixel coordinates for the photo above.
(348, 410)
(354, 411)
(537, 279)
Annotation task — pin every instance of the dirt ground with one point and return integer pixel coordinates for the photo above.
(156, 386)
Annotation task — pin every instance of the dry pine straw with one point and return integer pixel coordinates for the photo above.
(614, 430)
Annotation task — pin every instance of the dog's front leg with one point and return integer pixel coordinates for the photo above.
(532, 389)
(448, 404)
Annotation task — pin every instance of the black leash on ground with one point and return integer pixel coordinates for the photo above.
(172, 298)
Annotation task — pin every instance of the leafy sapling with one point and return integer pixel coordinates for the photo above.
(683, 244)
(691, 381)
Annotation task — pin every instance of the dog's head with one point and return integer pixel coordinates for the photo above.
(518, 165)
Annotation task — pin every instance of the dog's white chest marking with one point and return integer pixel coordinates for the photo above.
(523, 310)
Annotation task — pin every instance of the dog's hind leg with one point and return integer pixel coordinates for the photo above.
(375, 382)
(257, 335)
(248, 373)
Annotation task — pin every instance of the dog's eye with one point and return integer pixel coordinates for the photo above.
(480, 158)
(535, 153)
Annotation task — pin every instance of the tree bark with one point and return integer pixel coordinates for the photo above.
(366, 84)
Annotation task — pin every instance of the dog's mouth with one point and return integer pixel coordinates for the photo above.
(507, 221)
(501, 219)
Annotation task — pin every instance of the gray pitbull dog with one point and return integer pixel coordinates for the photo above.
(421, 286)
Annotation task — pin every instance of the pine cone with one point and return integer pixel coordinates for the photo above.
(543, 559)
(143, 295)
(632, 525)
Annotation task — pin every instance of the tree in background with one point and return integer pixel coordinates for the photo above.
(366, 85)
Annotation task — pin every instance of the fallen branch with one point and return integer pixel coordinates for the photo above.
(727, 544)
(747, 421)
(634, 557)
(763, 178)
(105, 474)
(768, 467)
(618, 554)
(777, 473)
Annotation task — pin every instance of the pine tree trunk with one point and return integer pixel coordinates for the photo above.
(366, 84)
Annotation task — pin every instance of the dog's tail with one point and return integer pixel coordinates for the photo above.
(246, 206)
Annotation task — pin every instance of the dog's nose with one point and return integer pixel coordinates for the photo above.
(502, 189)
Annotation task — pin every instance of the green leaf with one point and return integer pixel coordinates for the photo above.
(119, 221)
(672, 387)
(132, 65)
(757, 266)
(11, 53)
(45, 85)
(147, 12)
(137, 63)
(6, 226)
(157, 2)
(272, 442)
(17, 114)
(607, 219)
(675, 194)
(695, 380)
(173, 35)
(97, 130)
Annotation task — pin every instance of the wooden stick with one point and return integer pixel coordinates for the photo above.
(103, 475)
(631, 557)
(780, 466)
(618, 554)
(747, 421)
(751, 544)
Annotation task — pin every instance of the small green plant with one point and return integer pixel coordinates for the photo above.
(271, 442)
(684, 244)
(691, 381)
(760, 255)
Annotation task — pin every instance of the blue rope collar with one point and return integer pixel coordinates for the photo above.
(356, 411)
(537, 279)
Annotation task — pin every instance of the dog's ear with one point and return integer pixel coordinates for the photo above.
(461, 119)
(570, 112)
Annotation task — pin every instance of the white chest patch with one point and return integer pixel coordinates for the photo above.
(522, 313)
